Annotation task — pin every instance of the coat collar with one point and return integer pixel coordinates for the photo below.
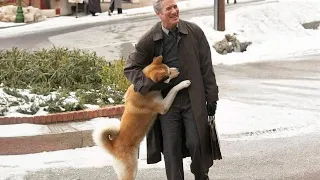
(157, 35)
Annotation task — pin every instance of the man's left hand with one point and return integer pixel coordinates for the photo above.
(211, 108)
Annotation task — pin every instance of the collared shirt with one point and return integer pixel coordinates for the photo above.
(167, 30)
(170, 53)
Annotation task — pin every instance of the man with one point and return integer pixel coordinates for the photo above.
(184, 130)
(115, 4)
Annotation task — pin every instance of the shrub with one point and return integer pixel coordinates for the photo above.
(63, 70)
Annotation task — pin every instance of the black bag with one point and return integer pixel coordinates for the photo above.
(215, 146)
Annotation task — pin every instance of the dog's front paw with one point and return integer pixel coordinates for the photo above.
(173, 72)
(184, 84)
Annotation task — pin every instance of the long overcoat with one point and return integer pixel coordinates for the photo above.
(196, 64)
(94, 6)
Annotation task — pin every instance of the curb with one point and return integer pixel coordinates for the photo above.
(73, 116)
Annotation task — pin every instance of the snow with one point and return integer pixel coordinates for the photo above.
(274, 29)
(23, 130)
(276, 33)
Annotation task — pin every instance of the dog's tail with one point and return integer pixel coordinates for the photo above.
(104, 135)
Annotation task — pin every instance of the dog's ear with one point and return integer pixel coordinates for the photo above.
(157, 60)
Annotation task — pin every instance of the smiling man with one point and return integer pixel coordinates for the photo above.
(184, 130)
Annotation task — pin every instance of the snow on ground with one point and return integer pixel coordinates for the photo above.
(23, 130)
(274, 29)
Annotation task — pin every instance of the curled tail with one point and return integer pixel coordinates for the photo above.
(105, 133)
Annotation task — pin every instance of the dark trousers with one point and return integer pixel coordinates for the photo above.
(180, 115)
(111, 8)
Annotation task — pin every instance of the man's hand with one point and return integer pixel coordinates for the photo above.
(211, 108)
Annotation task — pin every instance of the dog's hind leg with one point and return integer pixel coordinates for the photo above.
(126, 168)
(167, 101)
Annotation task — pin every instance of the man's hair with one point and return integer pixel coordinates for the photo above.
(157, 6)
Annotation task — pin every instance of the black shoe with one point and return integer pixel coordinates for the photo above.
(93, 13)
(119, 10)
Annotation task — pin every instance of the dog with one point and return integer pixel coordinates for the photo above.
(121, 139)
(234, 1)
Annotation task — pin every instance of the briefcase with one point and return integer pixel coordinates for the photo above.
(215, 146)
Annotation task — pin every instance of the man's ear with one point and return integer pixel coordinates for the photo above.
(159, 15)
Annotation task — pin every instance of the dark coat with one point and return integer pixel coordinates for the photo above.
(195, 64)
(94, 6)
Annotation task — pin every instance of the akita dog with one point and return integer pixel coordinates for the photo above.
(121, 139)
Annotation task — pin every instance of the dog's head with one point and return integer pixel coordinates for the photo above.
(157, 71)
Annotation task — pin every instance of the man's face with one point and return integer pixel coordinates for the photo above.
(169, 14)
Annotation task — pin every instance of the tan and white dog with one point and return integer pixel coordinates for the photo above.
(121, 139)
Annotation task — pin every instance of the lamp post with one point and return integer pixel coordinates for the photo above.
(19, 16)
